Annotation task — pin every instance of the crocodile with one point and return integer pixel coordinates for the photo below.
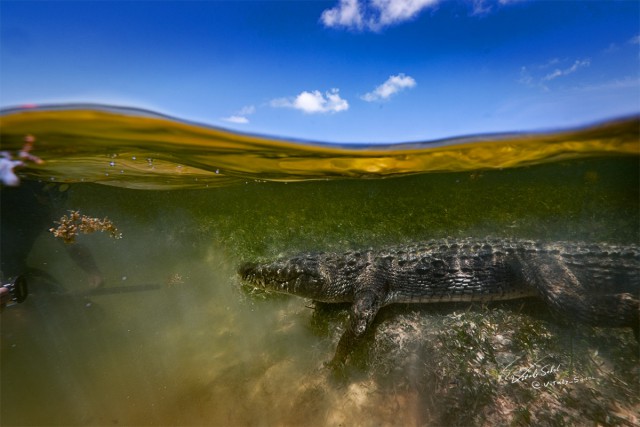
(596, 284)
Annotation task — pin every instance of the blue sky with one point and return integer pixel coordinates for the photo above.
(340, 70)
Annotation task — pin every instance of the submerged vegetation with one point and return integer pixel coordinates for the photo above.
(70, 226)
(511, 368)
(580, 200)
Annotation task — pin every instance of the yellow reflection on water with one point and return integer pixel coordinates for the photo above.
(137, 149)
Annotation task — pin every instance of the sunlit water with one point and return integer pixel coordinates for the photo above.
(187, 345)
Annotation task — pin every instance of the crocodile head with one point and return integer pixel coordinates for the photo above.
(299, 276)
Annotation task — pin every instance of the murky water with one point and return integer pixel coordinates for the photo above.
(172, 338)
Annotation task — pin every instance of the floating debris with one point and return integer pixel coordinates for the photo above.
(70, 226)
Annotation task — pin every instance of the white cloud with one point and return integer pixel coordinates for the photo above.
(347, 14)
(483, 7)
(480, 7)
(635, 40)
(236, 119)
(394, 11)
(241, 116)
(314, 102)
(564, 72)
(247, 110)
(532, 76)
(393, 85)
(373, 14)
(549, 63)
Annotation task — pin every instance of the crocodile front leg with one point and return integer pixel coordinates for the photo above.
(370, 292)
(363, 311)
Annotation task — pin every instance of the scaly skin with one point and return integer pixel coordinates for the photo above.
(597, 284)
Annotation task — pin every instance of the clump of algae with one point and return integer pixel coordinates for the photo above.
(70, 226)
